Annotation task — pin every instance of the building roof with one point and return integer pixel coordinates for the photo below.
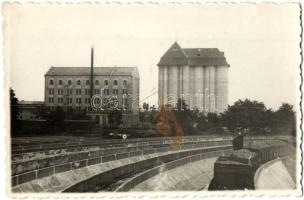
(99, 71)
(193, 56)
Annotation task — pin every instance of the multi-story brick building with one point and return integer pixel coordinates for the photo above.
(112, 88)
(199, 76)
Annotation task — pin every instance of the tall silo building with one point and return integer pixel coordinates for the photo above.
(199, 76)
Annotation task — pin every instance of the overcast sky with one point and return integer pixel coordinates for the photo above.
(261, 43)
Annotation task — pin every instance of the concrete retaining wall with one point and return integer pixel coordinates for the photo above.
(167, 166)
(46, 167)
(101, 180)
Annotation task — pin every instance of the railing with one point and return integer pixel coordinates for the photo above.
(71, 162)
(112, 142)
(107, 178)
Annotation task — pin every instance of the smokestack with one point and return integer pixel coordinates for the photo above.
(92, 71)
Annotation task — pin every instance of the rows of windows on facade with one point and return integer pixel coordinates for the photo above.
(66, 89)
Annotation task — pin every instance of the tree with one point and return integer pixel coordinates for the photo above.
(247, 114)
(145, 106)
(41, 112)
(55, 120)
(14, 109)
(284, 120)
(214, 119)
(153, 108)
(181, 105)
(184, 117)
(115, 117)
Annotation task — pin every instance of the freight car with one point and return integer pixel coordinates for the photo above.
(236, 171)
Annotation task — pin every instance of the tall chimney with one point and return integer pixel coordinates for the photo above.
(92, 71)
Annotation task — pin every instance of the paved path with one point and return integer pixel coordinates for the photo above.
(275, 176)
(192, 176)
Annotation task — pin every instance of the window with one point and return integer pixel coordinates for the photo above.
(125, 83)
(78, 91)
(96, 91)
(87, 91)
(124, 91)
(115, 91)
(69, 100)
(51, 100)
(51, 91)
(106, 91)
(78, 100)
(60, 91)
(87, 100)
(97, 82)
(69, 82)
(78, 82)
(115, 82)
(60, 82)
(87, 82)
(51, 82)
(70, 91)
(60, 100)
(106, 82)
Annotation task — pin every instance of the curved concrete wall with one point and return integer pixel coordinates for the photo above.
(36, 169)
(167, 166)
(128, 169)
(268, 178)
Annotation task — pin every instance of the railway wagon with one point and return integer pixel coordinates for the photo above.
(237, 170)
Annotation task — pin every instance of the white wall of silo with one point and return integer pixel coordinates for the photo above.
(165, 81)
(222, 88)
(212, 94)
(199, 87)
(173, 85)
(160, 84)
(207, 89)
(192, 87)
(186, 84)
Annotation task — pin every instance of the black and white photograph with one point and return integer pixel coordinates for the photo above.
(152, 98)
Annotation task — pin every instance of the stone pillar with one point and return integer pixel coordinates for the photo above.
(221, 89)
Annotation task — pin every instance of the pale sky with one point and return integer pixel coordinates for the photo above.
(261, 43)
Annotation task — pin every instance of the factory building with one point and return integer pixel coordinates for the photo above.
(98, 91)
(199, 76)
